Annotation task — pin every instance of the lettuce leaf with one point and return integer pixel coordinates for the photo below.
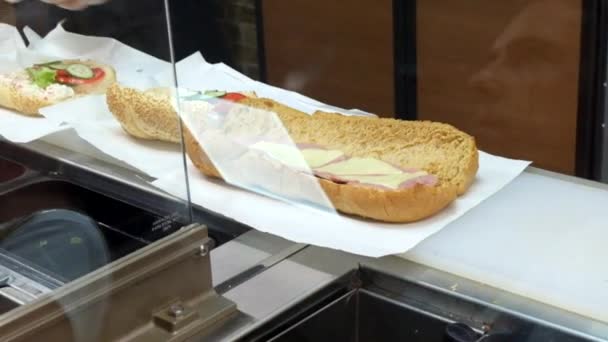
(42, 76)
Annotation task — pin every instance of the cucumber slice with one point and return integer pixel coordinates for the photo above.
(196, 97)
(59, 66)
(80, 71)
(215, 93)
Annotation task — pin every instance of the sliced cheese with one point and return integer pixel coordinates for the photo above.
(368, 171)
(316, 157)
(393, 181)
(298, 158)
(360, 166)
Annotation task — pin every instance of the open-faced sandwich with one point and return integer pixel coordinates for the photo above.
(41, 85)
(382, 169)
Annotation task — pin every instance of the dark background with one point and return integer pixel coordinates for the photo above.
(138, 23)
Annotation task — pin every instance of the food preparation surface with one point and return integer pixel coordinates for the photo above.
(541, 237)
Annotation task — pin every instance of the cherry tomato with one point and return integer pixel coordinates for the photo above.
(65, 78)
(233, 97)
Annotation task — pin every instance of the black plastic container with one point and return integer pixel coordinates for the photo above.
(48, 221)
(366, 305)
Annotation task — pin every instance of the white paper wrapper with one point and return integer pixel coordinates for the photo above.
(23, 129)
(322, 228)
(10, 42)
(195, 73)
(91, 119)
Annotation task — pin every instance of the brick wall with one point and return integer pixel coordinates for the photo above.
(237, 20)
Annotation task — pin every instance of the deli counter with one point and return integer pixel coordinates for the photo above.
(161, 185)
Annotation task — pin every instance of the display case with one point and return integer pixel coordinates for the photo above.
(90, 250)
(302, 170)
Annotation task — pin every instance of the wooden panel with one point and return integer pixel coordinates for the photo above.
(506, 72)
(339, 52)
(7, 13)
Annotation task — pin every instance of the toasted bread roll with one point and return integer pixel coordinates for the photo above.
(146, 115)
(438, 149)
(223, 149)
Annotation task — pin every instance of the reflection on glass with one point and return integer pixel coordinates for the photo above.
(249, 147)
(72, 206)
(505, 72)
(528, 82)
(62, 243)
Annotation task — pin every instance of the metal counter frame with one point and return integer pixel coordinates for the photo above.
(247, 267)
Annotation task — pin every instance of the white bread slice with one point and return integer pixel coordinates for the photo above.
(436, 148)
(20, 94)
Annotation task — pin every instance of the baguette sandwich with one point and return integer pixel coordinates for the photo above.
(381, 169)
(41, 85)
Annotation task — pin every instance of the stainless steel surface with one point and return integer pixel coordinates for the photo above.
(204, 250)
(226, 330)
(5, 277)
(470, 290)
(258, 268)
(293, 280)
(31, 282)
(244, 252)
(271, 290)
(162, 292)
(176, 310)
(367, 305)
(15, 295)
(361, 315)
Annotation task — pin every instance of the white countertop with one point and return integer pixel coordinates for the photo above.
(543, 237)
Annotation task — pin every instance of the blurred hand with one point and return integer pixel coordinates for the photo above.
(72, 5)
